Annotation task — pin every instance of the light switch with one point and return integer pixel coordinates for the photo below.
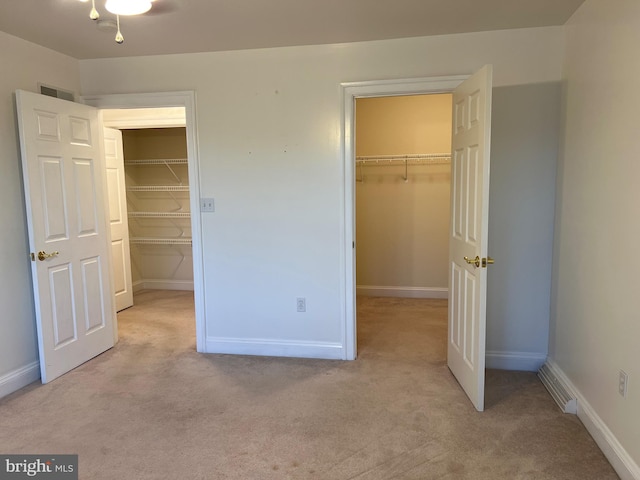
(207, 205)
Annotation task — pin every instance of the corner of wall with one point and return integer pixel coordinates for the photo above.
(18, 378)
(619, 458)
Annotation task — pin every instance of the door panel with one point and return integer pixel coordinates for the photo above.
(93, 294)
(118, 218)
(468, 235)
(63, 174)
(469, 321)
(117, 254)
(64, 315)
(85, 189)
(472, 189)
(80, 131)
(48, 127)
(52, 193)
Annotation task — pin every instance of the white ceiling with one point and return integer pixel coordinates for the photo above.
(181, 26)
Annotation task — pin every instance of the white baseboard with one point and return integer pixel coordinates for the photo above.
(402, 292)
(274, 348)
(19, 378)
(162, 285)
(619, 458)
(523, 361)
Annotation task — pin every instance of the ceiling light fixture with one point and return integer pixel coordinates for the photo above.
(128, 7)
(118, 8)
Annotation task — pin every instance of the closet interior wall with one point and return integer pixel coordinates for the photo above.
(402, 222)
(157, 179)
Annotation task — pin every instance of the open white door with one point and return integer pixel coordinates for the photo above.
(63, 175)
(116, 189)
(468, 235)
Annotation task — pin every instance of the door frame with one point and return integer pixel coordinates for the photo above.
(184, 99)
(351, 91)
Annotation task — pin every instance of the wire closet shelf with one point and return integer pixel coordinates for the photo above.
(415, 159)
(406, 160)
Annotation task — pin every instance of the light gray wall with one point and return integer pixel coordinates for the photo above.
(595, 324)
(22, 66)
(269, 124)
(524, 151)
(269, 139)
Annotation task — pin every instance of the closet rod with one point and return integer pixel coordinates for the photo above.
(406, 160)
(156, 161)
(416, 159)
(160, 240)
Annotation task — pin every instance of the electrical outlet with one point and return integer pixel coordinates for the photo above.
(301, 304)
(623, 381)
(207, 205)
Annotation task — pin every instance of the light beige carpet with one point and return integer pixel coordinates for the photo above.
(153, 408)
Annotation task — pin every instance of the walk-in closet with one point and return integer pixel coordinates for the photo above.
(157, 181)
(402, 172)
(149, 198)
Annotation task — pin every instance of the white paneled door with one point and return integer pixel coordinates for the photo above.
(116, 190)
(64, 185)
(468, 234)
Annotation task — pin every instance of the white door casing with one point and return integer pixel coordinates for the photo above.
(351, 91)
(117, 194)
(186, 100)
(64, 185)
(416, 86)
(468, 233)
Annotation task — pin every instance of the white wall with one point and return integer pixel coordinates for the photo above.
(22, 66)
(595, 321)
(269, 125)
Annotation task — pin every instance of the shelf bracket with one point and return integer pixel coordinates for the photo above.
(175, 270)
(179, 209)
(361, 179)
(173, 173)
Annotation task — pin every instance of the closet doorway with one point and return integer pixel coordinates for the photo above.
(402, 208)
(149, 205)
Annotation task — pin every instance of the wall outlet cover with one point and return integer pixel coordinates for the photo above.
(301, 304)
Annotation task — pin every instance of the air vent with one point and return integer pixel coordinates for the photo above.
(56, 92)
(565, 401)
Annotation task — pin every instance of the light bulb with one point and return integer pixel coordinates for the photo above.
(119, 37)
(128, 7)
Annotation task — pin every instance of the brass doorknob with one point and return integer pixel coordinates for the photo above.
(42, 255)
(473, 261)
(487, 261)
